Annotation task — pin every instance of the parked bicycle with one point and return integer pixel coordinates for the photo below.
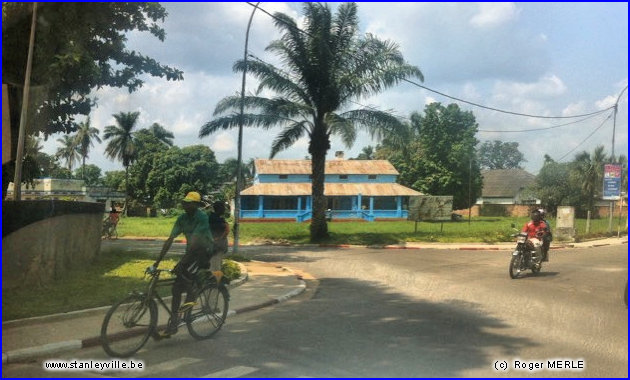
(130, 322)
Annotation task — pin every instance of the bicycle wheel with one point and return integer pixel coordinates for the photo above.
(128, 325)
(209, 312)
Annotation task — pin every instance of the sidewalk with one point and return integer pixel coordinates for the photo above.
(262, 285)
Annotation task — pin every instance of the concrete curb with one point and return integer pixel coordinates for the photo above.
(29, 353)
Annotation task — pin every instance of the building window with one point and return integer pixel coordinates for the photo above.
(343, 176)
(283, 176)
(372, 176)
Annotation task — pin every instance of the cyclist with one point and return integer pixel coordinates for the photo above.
(194, 225)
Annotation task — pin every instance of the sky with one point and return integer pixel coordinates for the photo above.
(546, 59)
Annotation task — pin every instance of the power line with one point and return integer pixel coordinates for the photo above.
(587, 137)
(541, 129)
(449, 96)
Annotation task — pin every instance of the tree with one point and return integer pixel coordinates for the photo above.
(84, 139)
(90, 174)
(367, 153)
(161, 134)
(78, 47)
(122, 144)
(178, 171)
(553, 185)
(588, 174)
(436, 155)
(114, 180)
(500, 155)
(68, 150)
(325, 67)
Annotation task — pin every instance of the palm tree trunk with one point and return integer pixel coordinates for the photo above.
(319, 228)
(83, 175)
(319, 145)
(125, 207)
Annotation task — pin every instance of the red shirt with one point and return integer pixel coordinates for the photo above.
(533, 228)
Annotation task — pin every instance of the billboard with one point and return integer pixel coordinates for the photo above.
(430, 208)
(612, 182)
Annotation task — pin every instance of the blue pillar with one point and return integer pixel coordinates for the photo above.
(359, 201)
(371, 205)
(399, 206)
(260, 206)
(299, 206)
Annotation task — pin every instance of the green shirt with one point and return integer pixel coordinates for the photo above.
(195, 225)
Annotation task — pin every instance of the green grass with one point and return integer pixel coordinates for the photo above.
(481, 229)
(111, 276)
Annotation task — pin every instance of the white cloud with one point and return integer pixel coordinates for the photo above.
(494, 14)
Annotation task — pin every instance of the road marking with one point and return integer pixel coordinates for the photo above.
(232, 372)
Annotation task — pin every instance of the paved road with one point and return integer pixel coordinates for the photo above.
(416, 313)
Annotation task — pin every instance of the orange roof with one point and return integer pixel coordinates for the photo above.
(332, 167)
(331, 189)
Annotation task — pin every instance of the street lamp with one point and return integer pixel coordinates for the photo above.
(239, 181)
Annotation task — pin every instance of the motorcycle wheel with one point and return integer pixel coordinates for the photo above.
(515, 266)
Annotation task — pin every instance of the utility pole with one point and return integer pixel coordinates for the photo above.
(239, 170)
(612, 203)
(19, 154)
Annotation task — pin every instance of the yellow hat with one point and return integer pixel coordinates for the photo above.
(193, 196)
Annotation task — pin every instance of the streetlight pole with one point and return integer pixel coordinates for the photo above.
(615, 120)
(239, 180)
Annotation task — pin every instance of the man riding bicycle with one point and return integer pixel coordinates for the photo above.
(194, 225)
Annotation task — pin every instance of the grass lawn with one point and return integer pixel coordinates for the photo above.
(481, 229)
(111, 276)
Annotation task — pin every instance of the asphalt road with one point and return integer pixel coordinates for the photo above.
(413, 313)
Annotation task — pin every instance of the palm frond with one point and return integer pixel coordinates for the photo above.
(343, 128)
(288, 137)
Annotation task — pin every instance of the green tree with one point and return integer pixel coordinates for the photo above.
(122, 145)
(178, 171)
(325, 68)
(553, 185)
(500, 155)
(587, 172)
(115, 180)
(84, 139)
(367, 153)
(90, 174)
(68, 151)
(436, 155)
(161, 134)
(149, 145)
(78, 47)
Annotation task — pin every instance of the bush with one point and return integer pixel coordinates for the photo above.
(231, 269)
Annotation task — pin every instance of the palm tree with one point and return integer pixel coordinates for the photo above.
(122, 144)
(68, 151)
(326, 67)
(589, 169)
(84, 139)
(161, 134)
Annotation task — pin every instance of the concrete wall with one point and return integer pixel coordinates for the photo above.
(39, 252)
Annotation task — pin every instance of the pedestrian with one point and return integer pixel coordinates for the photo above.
(220, 230)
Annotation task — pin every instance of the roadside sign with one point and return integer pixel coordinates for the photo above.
(430, 208)
(612, 182)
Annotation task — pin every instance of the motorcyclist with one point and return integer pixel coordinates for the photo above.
(536, 230)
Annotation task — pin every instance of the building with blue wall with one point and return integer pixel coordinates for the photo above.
(355, 189)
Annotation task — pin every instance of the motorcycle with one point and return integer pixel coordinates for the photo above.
(524, 257)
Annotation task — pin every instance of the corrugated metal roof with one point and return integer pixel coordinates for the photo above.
(505, 182)
(331, 189)
(332, 167)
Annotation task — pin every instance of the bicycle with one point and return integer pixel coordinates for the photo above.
(130, 322)
(109, 230)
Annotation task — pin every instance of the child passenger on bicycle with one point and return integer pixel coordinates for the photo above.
(199, 243)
